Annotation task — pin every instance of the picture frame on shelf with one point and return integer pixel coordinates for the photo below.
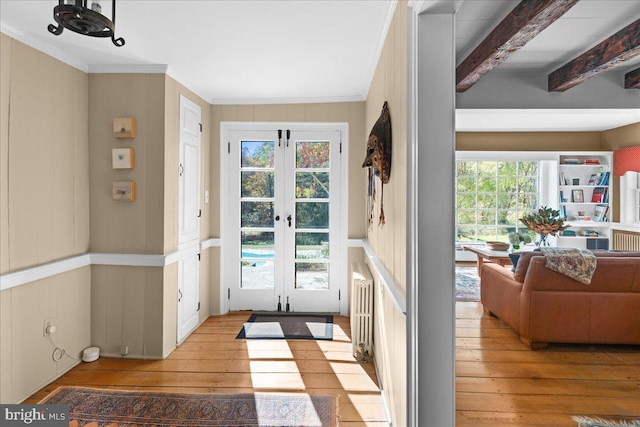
(577, 196)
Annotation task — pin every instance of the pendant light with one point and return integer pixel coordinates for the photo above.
(77, 17)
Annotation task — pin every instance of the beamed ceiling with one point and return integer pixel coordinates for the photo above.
(574, 56)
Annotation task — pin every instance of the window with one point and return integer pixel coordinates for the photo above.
(491, 195)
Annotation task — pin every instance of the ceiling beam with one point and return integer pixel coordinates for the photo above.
(632, 79)
(524, 22)
(620, 47)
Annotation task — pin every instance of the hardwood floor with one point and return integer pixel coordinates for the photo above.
(212, 360)
(499, 382)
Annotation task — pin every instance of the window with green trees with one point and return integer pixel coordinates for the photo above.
(492, 195)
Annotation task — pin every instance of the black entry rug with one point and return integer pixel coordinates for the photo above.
(467, 284)
(288, 327)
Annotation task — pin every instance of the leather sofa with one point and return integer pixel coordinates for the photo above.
(543, 306)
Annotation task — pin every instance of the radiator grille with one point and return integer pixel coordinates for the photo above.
(626, 241)
(361, 306)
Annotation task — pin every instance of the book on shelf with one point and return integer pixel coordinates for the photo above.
(563, 180)
(600, 195)
(563, 210)
(604, 179)
(588, 233)
(594, 179)
(592, 162)
(601, 212)
(568, 233)
(571, 161)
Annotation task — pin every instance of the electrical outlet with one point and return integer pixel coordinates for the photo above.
(47, 322)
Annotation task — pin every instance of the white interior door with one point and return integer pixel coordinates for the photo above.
(188, 218)
(284, 220)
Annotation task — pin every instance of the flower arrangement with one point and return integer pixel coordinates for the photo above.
(516, 238)
(545, 221)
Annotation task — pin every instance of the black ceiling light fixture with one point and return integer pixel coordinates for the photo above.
(76, 16)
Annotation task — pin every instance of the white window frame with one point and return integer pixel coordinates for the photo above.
(547, 172)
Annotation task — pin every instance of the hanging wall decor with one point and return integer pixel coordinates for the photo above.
(378, 159)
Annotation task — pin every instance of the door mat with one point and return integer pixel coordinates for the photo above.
(288, 327)
(118, 408)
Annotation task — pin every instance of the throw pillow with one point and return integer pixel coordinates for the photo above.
(514, 257)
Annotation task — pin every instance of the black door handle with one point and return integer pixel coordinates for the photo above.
(289, 219)
(277, 217)
(180, 295)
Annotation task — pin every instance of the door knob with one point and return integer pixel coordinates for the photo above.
(277, 217)
(289, 219)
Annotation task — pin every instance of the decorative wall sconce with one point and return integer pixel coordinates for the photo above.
(124, 191)
(77, 17)
(122, 158)
(124, 127)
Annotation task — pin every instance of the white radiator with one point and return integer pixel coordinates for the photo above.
(361, 307)
(626, 241)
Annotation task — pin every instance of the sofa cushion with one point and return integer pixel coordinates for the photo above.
(523, 264)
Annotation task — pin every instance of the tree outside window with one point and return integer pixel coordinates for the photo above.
(492, 195)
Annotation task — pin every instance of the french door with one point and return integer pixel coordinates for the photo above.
(284, 220)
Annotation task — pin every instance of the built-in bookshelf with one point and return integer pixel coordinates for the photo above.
(584, 190)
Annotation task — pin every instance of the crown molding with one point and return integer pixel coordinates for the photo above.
(128, 68)
(265, 101)
(171, 72)
(43, 46)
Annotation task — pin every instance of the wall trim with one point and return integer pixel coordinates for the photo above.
(376, 59)
(42, 271)
(270, 101)
(398, 300)
(128, 68)
(43, 47)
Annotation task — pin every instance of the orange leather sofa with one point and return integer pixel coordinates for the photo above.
(543, 306)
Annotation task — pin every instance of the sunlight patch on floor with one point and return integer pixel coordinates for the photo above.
(269, 349)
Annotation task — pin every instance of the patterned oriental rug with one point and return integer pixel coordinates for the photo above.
(467, 284)
(115, 408)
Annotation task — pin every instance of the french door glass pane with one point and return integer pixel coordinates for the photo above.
(257, 244)
(312, 215)
(312, 275)
(312, 246)
(312, 154)
(258, 274)
(256, 214)
(312, 185)
(257, 154)
(257, 184)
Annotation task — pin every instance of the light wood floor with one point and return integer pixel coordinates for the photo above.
(499, 382)
(212, 360)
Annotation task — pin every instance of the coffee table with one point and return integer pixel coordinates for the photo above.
(484, 253)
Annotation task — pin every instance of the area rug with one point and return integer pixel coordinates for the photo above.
(599, 422)
(467, 284)
(117, 408)
(288, 326)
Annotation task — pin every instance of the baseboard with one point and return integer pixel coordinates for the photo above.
(385, 404)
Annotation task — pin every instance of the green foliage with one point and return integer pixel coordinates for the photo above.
(544, 221)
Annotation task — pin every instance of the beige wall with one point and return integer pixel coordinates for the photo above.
(44, 213)
(528, 141)
(389, 242)
(44, 168)
(127, 227)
